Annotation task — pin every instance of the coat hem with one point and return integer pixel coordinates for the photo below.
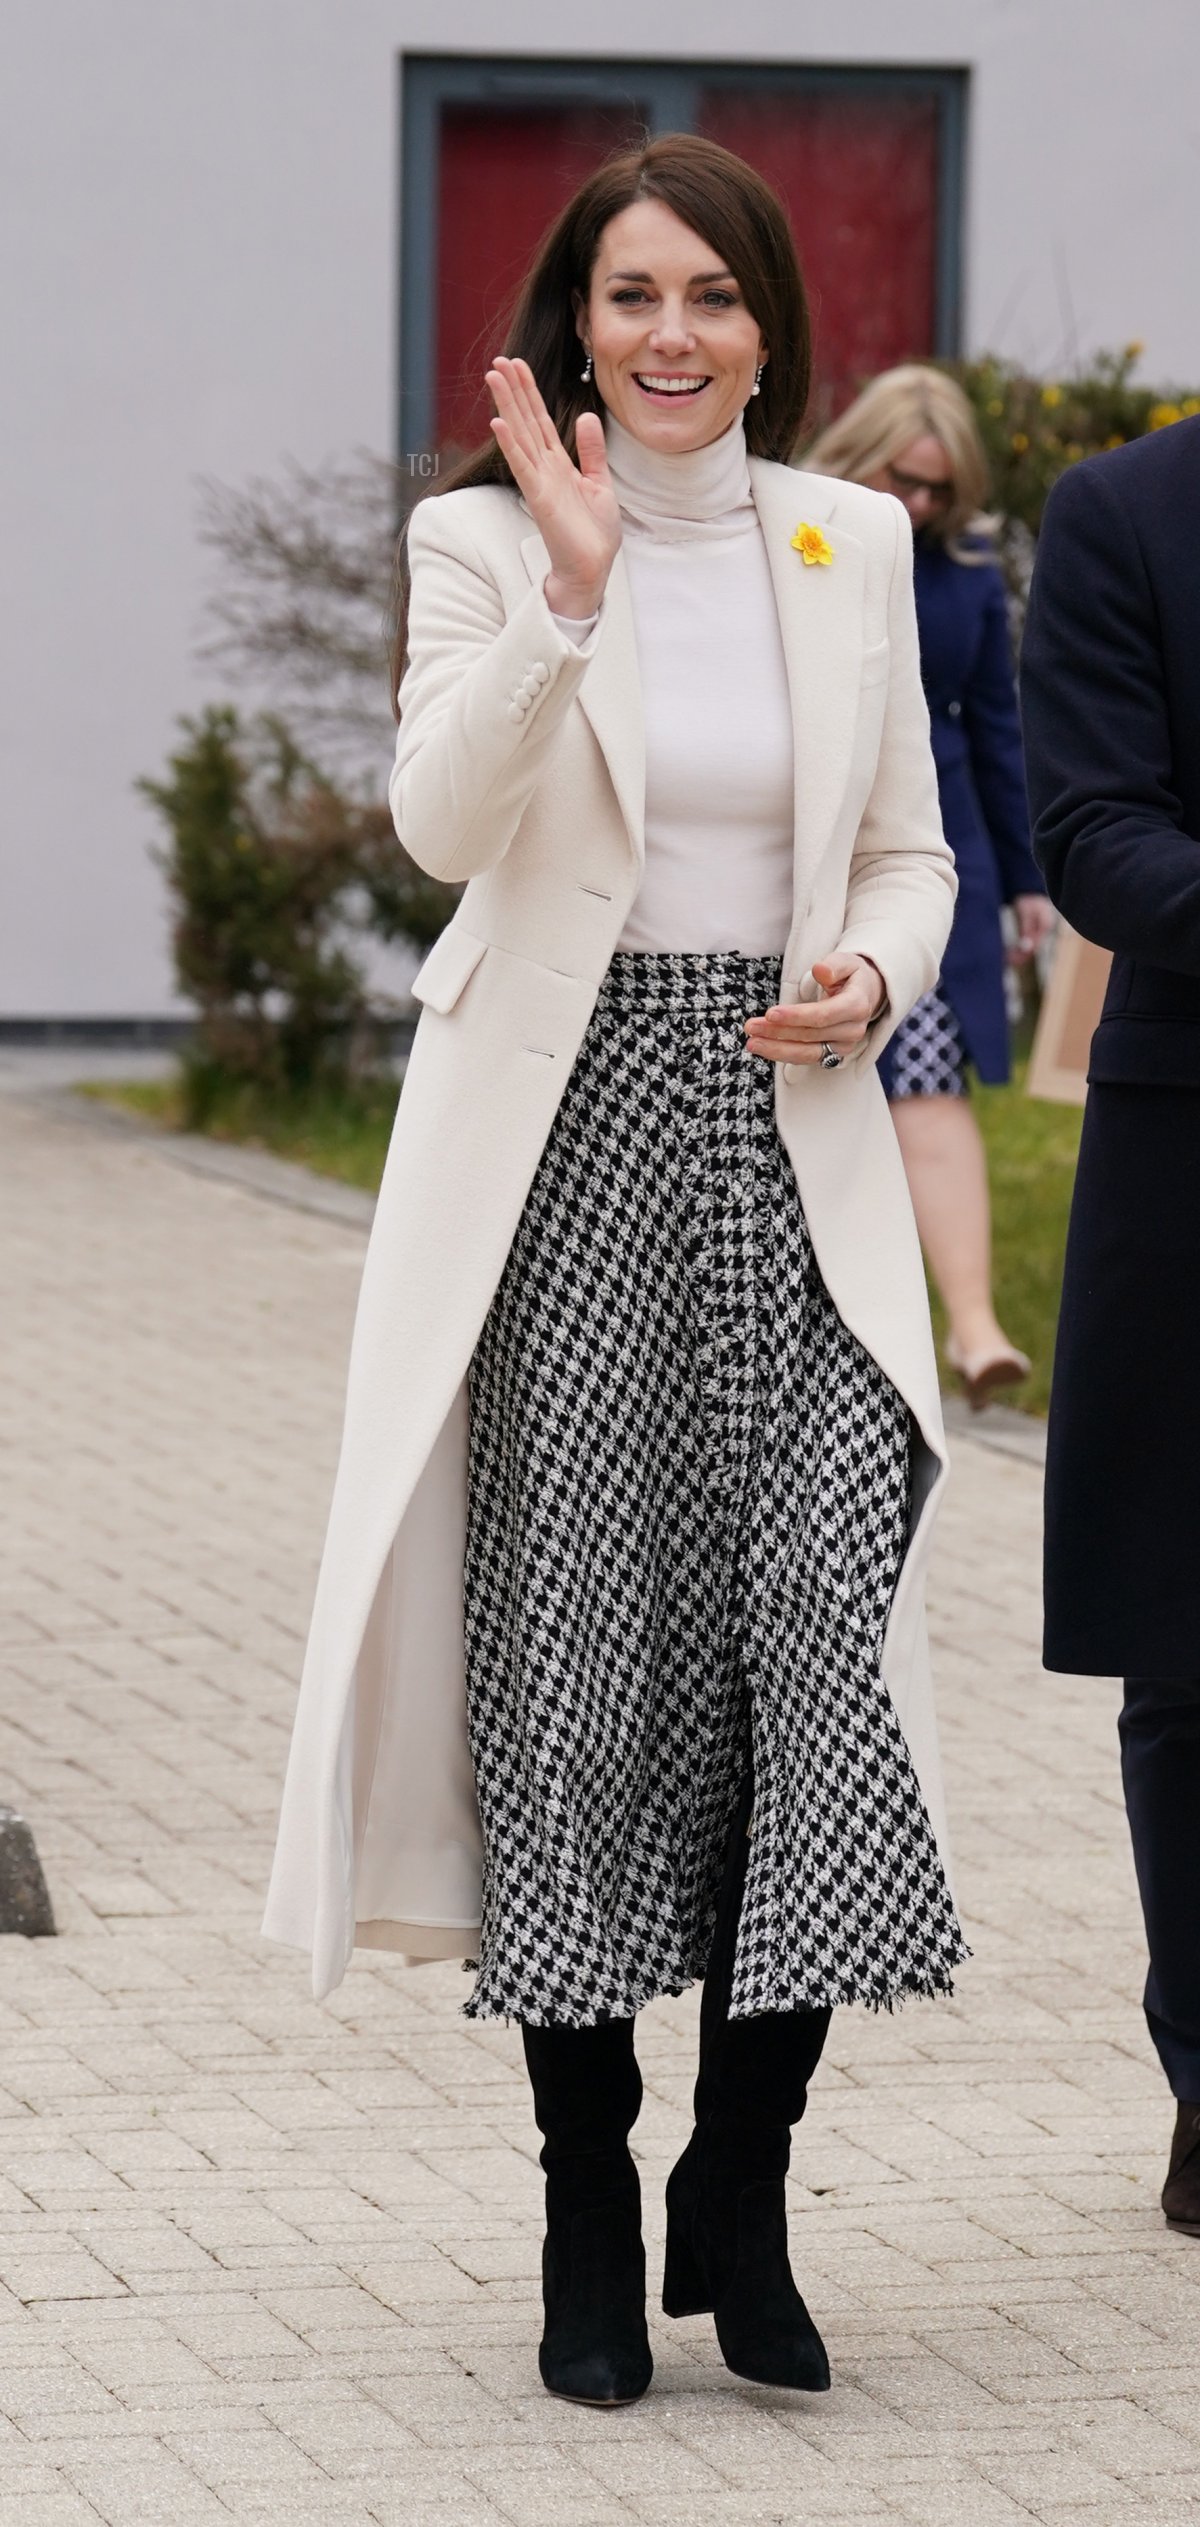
(422, 1943)
(1085, 1659)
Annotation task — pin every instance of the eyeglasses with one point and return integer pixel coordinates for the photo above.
(941, 494)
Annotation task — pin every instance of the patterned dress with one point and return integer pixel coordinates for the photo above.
(688, 1506)
(927, 1055)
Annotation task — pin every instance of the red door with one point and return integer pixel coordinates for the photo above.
(504, 173)
(856, 168)
(858, 174)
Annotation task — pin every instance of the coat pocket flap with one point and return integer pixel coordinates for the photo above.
(1130, 1050)
(447, 969)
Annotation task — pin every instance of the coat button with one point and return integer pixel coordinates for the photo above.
(954, 710)
(540, 672)
(516, 710)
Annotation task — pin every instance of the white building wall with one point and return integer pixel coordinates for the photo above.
(199, 209)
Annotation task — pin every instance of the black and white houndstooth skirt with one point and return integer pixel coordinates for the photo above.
(688, 1505)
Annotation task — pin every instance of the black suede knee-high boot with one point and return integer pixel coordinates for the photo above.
(727, 2249)
(586, 2092)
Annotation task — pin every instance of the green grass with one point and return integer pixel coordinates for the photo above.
(342, 1136)
(1031, 1157)
(1032, 1148)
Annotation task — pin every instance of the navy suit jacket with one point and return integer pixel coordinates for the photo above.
(1110, 683)
(1110, 692)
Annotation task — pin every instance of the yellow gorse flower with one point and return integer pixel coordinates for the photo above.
(811, 545)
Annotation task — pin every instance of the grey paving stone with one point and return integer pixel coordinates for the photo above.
(266, 2261)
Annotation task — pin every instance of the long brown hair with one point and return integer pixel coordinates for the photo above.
(713, 192)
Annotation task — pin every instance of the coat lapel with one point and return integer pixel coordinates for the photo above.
(821, 623)
(610, 694)
(820, 620)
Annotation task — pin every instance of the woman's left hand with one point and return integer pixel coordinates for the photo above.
(1035, 921)
(853, 993)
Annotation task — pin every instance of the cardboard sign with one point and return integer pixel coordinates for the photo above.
(1070, 1012)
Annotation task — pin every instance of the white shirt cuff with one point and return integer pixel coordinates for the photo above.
(576, 627)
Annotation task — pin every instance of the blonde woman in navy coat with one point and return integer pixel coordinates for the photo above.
(912, 432)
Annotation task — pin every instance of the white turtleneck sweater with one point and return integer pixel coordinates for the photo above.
(717, 709)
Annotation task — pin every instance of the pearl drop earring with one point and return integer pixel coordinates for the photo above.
(586, 371)
(757, 374)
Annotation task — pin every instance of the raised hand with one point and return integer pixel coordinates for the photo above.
(574, 507)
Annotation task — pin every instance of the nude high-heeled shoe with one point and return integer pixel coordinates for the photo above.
(983, 1372)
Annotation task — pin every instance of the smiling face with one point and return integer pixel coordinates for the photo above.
(675, 345)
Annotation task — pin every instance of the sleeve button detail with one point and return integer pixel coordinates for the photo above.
(516, 710)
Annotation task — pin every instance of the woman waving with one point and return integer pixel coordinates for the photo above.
(617, 1676)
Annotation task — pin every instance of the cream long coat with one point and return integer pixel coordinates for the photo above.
(520, 767)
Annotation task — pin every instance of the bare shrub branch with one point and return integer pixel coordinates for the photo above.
(301, 609)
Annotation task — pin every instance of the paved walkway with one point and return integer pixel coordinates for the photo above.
(264, 2261)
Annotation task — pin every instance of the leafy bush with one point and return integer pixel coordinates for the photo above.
(276, 879)
(1033, 428)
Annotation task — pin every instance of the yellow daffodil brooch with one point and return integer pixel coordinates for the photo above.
(812, 546)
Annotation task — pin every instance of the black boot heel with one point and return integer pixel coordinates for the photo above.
(685, 2291)
(763, 2327)
(595, 2349)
